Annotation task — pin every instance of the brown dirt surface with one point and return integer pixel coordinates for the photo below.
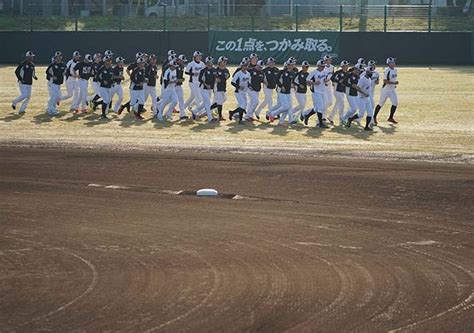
(98, 240)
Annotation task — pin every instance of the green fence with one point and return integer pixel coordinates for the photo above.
(43, 17)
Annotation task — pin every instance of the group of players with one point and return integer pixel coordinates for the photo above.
(208, 87)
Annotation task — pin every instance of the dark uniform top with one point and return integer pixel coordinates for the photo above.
(96, 67)
(223, 74)
(106, 77)
(179, 75)
(256, 79)
(118, 73)
(207, 78)
(137, 78)
(300, 82)
(285, 80)
(25, 72)
(85, 70)
(55, 71)
(271, 74)
(338, 78)
(150, 72)
(349, 80)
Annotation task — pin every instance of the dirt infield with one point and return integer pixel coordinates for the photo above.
(96, 240)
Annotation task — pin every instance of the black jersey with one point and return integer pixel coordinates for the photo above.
(300, 82)
(256, 79)
(285, 80)
(106, 77)
(207, 78)
(179, 75)
(25, 72)
(223, 75)
(96, 68)
(118, 74)
(85, 70)
(349, 80)
(271, 74)
(138, 78)
(151, 71)
(338, 78)
(55, 72)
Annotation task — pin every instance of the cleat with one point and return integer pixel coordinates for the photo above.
(368, 129)
(271, 118)
(120, 110)
(267, 117)
(193, 116)
(301, 116)
(13, 106)
(258, 117)
(294, 122)
(183, 118)
(331, 121)
(175, 111)
(213, 120)
(103, 117)
(393, 121)
(375, 121)
(250, 119)
(305, 121)
(231, 115)
(322, 125)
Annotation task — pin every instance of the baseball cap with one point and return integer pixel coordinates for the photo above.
(222, 58)
(107, 58)
(260, 63)
(182, 57)
(171, 52)
(320, 63)
(209, 60)
(270, 60)
(197, 53)
(30, 54)
(390, 60)
(138, 55)
(119, 59)
(327, 57)
(371, 62)
(58, 53)
(243, 63)
(109, 53)
(305, 64)
(76, 54)
(88, 58)
(361, 61)
(253, 55)
(344, 63)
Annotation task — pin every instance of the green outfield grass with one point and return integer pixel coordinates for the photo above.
(436, 120)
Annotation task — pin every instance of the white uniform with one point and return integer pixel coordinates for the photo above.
(242, 80)
(72, 87)
(365, 84)
(169, 93)
(319, 90)
(300, 97)
(329, 88)
(25, 89)
(194, 68)
(389, 90)
(374, 79)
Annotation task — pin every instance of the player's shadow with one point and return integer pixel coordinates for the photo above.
(235, 127)
(200, 127)
(130, 121)
(355, 131)
(185, 123)
(12, 117)
(280, 130)
(43, 117)
(74, 117)
(390, 129)
(162, 124)
(314, 132)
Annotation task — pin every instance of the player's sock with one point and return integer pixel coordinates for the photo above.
(354, 117)
(127, 106)
(320, 117)
(241, 114)
(367, 121)
(392, 111)
(213, 106)
(110, 105)
(219, 110)
(104, 110)
(376, 111)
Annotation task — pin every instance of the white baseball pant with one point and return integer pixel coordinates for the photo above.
(25, 94)
(206, 97)
(168, 97)
(83, 86)
(151, 91)
(353, 107)
(253, 103)
(54, 97)
(117, 90)
(301, 100)
(267, 100)
(388, 93)
(338, 106)
(137, 97)
(195, 97)
(284, 109)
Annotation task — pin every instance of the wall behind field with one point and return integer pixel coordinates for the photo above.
(410, 48)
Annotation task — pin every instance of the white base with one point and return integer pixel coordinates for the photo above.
(207, 192)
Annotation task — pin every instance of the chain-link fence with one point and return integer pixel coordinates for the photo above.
(73, 17)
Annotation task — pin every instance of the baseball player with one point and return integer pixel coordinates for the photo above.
(284, 83)
(96, 67)
(375, 78)
(253, 59)
(71, 81)
(25, 73)
(129, 70)
(390, 83)
(240, 81)
(363, 87)
(181, 62)
(84, 72)
(106, 80)
(193, 69)
(338, 79)
(256, 80)
(137, 98)
(55, 75)
(220, 94)
(169, 91)
(244, 59)
(164, 66)
(271, 73)
(151, 74)
(117, 85)
(300, 81)
(350, 81)
(317, 80)
(207, 79)
(329, 87)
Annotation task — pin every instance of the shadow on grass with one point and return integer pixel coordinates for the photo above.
(200, 127)
(43, 117)
(12, 117)
(235, 127)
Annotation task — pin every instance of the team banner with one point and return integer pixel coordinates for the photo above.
(310, 46)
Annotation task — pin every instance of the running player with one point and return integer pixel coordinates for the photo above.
(284, 83)
(256, 80)
(240, 81)
(25, 74)
(71, 81)
(317, 80)
(169, 92)
(84, 72)
(117, 85)
(207, 79)
(338, 79)
(137, 98)
(390, 83)
(193, 69)
(55, 75)
(300, 82)
(106, 79)
(271, 73)
(181, 62)
(220, 95)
